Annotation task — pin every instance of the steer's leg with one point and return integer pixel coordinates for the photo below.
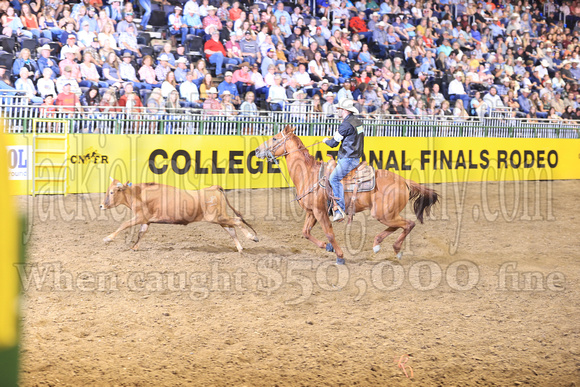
(232, 231)
(126, 224)
(142, 231)
(236, 221)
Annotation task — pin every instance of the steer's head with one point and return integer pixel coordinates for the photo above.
(276, 146)
(115, 195)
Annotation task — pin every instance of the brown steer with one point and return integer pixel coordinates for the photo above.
(158, 203)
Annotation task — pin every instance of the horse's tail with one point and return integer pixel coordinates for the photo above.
(424, 198)
(236, 212)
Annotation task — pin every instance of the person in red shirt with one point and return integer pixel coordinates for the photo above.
(243, 79)
(358, 25)
(236, 11)
(215, 53)
(129, 91)
(68, 100)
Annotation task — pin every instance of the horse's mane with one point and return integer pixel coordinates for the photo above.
(309, 160)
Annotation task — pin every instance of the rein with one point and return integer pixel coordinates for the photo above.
(274, 159)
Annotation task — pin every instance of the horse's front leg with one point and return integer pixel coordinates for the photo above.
(324, 220)
(309, 222)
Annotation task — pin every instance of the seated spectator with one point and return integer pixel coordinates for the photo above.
(181, 70)
(71, 46)
(212, 106)
(129, 91)
(299, 108)
(216, 53)
(329, 108)
(457, 91)
(126, 22)
(111, 70)
(359, 26)
(364, 57)
(233, 49)
(250, 49)
(30, 22)
(46, 84)
(114, 11)
(260, 86)
(478, 107)
(177, 25)
(243, 79)
(302, 77)
(67, 99)
(168, 84)
(89, 73)
(127, 71)
(147, 74)
(24, 83)
(48, 22)
(227, 84)
(199, 72)
(248, 107)
(25, 61)
(91, 99)
(163, 68)
(188, 90)
(277, 95)
(69, 30)
(205, 86)
(128, 41)
(192, 20)
(85, 36)
(211, 20)
(107, 34)
(229, 110)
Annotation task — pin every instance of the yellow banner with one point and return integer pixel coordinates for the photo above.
(193, 162)
(8, 257)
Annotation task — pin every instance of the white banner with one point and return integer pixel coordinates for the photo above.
(20, 162)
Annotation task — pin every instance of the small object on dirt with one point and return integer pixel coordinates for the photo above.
(165, 314)
(535, 372)
(309, 323)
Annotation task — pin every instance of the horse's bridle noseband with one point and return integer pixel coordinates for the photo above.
(270, 151)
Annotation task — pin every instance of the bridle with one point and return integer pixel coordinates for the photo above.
(274, 159)
(271, 150)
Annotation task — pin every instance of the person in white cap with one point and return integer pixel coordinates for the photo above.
(329, 108)
(350, 136)
(181, 70)
(45, 61)
(212, 106)
(178, 26)
(211, 19)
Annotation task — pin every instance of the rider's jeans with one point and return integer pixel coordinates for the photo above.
(343, 167)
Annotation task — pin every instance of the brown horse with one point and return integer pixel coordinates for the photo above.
(390, 196)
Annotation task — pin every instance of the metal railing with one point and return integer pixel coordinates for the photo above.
(18, 118)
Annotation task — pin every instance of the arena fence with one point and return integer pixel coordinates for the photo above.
(20, 118)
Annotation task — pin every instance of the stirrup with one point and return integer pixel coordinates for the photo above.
(339, 215)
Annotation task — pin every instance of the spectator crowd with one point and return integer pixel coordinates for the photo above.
(452, 59)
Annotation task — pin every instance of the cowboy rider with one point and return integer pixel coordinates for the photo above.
(350, 136)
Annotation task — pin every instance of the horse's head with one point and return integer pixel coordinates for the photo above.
(276, 146)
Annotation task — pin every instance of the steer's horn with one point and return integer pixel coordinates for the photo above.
(110, 177)
(120, 185)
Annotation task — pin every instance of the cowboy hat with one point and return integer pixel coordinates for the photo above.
(163, 57)
(212, 90)
(348, 105)
(297, 93)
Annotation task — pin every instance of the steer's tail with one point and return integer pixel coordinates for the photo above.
(234, 210)
(423, 198)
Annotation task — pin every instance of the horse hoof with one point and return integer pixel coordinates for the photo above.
(400, 255)
(107, 240)
(329, 248)
(255, 239)
(340, 261)
(376, 249)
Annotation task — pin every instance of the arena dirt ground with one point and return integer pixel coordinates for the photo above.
(487, 293)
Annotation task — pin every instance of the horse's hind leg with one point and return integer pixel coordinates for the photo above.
(309, 222)
(380, 237)
(394, 224)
